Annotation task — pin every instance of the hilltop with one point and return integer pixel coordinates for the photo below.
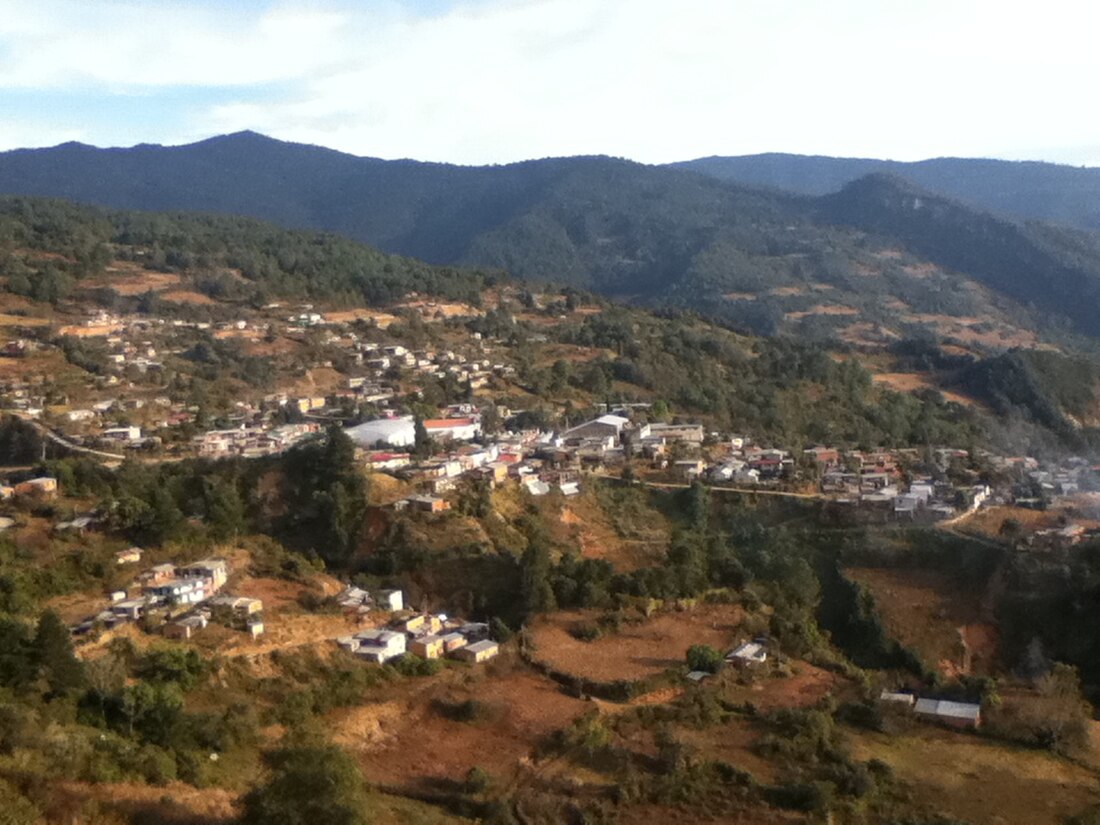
(1032, 190)
(858, 265)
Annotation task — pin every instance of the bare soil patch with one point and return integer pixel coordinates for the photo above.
(128, 278)
(637, 650)
(805, 686)
(822, 309)
(346, 316)
(912, 381)
(408, 741)
(927, 612)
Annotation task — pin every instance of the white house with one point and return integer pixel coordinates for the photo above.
(380, 646)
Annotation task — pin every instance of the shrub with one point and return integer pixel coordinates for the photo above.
(704, 657)
(477, 780)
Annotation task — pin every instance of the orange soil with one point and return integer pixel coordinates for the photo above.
(637, 650)
(406, 741)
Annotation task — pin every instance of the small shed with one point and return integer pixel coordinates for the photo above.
(953, 714)
(749, 654)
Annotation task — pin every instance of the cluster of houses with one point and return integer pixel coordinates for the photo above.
(188, 596)
(427, 635)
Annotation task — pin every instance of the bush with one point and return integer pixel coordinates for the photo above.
(477, 780)
(412, 665)
(705, 658)
(468, 710)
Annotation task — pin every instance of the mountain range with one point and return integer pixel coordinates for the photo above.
(847, 249)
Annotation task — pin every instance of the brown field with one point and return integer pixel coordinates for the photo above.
(7, 320)
(805, 686)
(733, 742)
(174, 802)
(91, 330)
(920, 270)
(927, 612)
(571, 353)
(981, 781)
(987, 522)
(128, 278)
(181, 803)
(868, 334)
(315, 381)
(431, 310)
(406, 741)
(280, 346)
(187, 296)
(345, 316)
(587, 525)
(637, 650)
(912, 381)
(822, 309)
(787, 291)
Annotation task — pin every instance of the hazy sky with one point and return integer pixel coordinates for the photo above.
(479, 81)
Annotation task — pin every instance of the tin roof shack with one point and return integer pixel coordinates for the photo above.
(429, 504)
(236, 611)
(185, 628)
(478, 651)
(749, 654)
(894, 697)
(954, 714)
(131, 555)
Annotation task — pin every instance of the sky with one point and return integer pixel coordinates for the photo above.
(495, 81)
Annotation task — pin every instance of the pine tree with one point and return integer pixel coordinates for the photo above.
(53, 652)
(310, 783)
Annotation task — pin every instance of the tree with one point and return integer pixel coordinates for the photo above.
(423, 444)
(16, 809)
(310, 784)
(53, 651)
(538, 594)
(705, 658)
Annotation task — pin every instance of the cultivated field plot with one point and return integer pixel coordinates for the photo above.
(413, 740)
(912, 381)
(927, 612)
(968, 778)
(128, 278)
(805, 686)
(988, 522)
(637, 650)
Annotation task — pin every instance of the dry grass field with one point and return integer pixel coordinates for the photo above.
(981, 781)
(927, 612)
(407, 740)
(637, 650)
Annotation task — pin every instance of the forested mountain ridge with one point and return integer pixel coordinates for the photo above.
(859, 265)
(1054, 192)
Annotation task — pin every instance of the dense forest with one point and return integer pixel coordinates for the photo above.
(656, 234)
(273, 262)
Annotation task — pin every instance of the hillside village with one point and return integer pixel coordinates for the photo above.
(560, 566)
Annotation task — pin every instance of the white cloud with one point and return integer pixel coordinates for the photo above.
(499, 80)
